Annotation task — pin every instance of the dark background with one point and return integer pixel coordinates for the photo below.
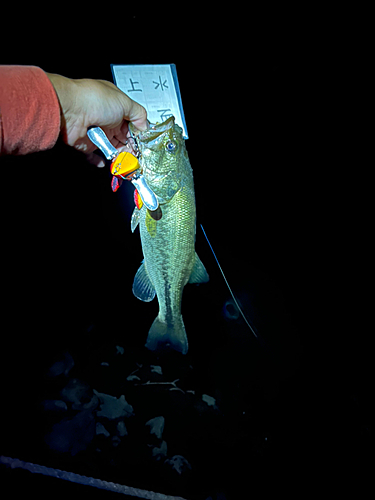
(257, 142)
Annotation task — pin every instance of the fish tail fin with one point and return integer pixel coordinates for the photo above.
(163, 335)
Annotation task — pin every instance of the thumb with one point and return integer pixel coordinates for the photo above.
(136, 114)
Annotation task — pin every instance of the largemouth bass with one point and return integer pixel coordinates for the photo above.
(167, 234)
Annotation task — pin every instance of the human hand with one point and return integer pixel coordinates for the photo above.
(85, 103)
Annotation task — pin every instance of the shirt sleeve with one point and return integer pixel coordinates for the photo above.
(29, 111)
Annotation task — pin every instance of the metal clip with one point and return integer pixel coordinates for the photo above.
(146, 193)
(135, 146)
(98, 137)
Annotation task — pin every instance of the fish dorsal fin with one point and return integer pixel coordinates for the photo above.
(199, 273)
(229, 288)
(143, 289)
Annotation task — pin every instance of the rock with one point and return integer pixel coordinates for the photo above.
(160, 452)
(100, 429)
(54, 405)
(121, 429)
(72, 435)
(80, 395)
(113, 408)
(119, 350)
(62, 366)
(156, 426)
(116, 441)
(209, 400)
(156, 369)
(179, 464)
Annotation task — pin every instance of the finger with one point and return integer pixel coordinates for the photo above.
(141, 121)
(83, 144)
(135, 113)
(122, 134)
(117, 143)
(96, 160)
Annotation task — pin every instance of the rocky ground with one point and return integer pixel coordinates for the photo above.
(193, 426)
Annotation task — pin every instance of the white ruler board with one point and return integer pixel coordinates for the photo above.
(156, 87)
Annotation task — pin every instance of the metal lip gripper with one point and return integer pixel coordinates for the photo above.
(124, 165)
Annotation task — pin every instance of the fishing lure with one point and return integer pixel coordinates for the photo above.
(124, 166)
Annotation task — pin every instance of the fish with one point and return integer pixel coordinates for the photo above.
(168, 233)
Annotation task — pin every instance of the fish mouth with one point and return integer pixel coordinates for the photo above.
(154, 130)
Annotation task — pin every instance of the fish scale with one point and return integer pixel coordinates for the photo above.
(170, 254)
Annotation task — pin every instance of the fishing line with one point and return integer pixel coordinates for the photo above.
(229, 288)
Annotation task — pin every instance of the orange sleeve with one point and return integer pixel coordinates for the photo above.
(29, 111)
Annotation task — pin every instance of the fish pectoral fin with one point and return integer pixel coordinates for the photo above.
(135, 219)
(199, 273)
(143, 289)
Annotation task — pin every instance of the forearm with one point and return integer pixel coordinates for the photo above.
(65, 89)
(29, 110)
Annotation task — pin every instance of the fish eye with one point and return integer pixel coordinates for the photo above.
(171, 146)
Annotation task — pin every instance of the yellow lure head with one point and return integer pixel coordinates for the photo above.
(124, 164)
